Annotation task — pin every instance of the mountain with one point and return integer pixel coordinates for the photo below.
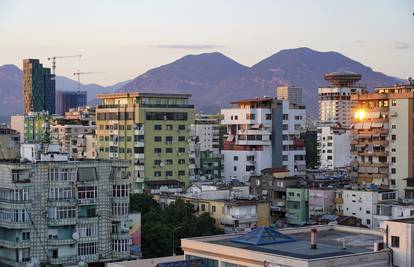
(214, 79)
(11, 91)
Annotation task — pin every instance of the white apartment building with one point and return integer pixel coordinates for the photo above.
(334, 147)
(335, 103)
(362, 204)
(291, 93)
(72, 139)
(263, 133)
(207, 131)
(393, 210)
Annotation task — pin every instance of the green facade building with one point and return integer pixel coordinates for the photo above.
(297, 208)
(152, 132)
(37, 127)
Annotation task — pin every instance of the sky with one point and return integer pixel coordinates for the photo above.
(123, 39)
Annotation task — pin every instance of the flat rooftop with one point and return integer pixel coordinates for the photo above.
(329, 242)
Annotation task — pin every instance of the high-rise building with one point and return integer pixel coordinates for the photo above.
(291, 93)
(152, 131)
(382, 139)
(334, 147)
(57, 212)
(335, 103)
(263, 133)
(66, 100)
(38, 87)
(209, 139)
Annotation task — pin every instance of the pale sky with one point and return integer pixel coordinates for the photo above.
(125, 38)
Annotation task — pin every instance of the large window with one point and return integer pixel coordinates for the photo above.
(87, 192)
(166, 116)
(87, 248)
(62, 174)
(120, 208)
(120, 245)
(395, 241)
(87, 229)
(120, 190)
(61, 193)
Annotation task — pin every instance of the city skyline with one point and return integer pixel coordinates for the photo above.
(146, 34)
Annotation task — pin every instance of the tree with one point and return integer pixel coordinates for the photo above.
(178, 220)
(142, 203)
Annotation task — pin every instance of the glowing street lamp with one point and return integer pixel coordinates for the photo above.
(360, 114)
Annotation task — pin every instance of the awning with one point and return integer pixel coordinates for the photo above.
(230, 138)
(367, 125)
(373, 115)
(358, 125)
(377, 124)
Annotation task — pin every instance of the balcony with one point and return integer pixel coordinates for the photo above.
(120, 236)
(87, 201)
(61, 242)
(15, 244)
(139, 143)
(339, 200)
(139, 156)
(14, 225)
(139, 167)
(139, 131)
(61, 222)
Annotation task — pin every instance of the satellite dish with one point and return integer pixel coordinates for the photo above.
(75, 236)
(162, 164)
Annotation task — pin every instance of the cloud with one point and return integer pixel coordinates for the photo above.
(187, 47)
(401, 45)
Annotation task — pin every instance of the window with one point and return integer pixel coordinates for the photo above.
(168, 162)
(169, 127)
(120, 245)
(395, 241)
(168, 173)
(87, 248)
(393, 182)
(368, 221)
(203, 207)
(26, 235)
(157, 174)
(235, 168)
(181, 173)
(250, 116)
(393, 103)
(368, 212)
(168, 139)
(157, 127)
(88, 229)
(168, 150)
(181, 150)
(120, 190)
(181, 127)
(235, 158)
(394, 126)
(87, 193)
(393, 159)
(181, 161)
(181, 139)
(157, 150)
(393, 171)
(393, 137)
(268, 116)
(157, 138)
(120, 209)
(213, 209)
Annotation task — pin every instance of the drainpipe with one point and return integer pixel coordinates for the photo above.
(313, 238)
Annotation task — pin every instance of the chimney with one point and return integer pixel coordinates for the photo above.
(313, 238)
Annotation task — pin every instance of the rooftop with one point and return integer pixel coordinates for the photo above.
(253, 100)
(329, 242)
(137, 94)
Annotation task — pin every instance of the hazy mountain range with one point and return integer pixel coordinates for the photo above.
(214, 79)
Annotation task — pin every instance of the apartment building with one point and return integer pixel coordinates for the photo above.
(151, 131)
(9, 143)
(321, 201)
(263, 133)
(382, 142)
(293, 94)
(335, 103)
(297, 205)
(66, 100)
(393, 210)
(38, 87)
(334, 147)
(208, 142)
(362, 204)
(73, 139)
(57, 212)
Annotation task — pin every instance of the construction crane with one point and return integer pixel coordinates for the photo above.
(78, 73)
(56, 57)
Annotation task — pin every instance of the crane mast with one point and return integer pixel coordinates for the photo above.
(53, 59)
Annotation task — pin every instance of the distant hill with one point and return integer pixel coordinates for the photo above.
(11, 89)
(214, 79)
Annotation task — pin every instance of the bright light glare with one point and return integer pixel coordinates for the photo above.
(360, 114)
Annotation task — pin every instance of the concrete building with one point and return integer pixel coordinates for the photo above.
(271, 185)
(9, 143)
(382, 141)
(232, 212)
(17, 124)
(321, 201)
(73, 138)
(293, 94)
(54, 211)
(208, 142)
(150, 130)
(37, 127)
(335, 103)
(334, 147)
(291, 247)
(399, 237)
(393, 210)
(297, 207)
(363, 204)
(38, 87)
(263, 133)
(86, 115)
(66, 100)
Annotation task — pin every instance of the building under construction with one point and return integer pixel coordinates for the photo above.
(57, 212)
